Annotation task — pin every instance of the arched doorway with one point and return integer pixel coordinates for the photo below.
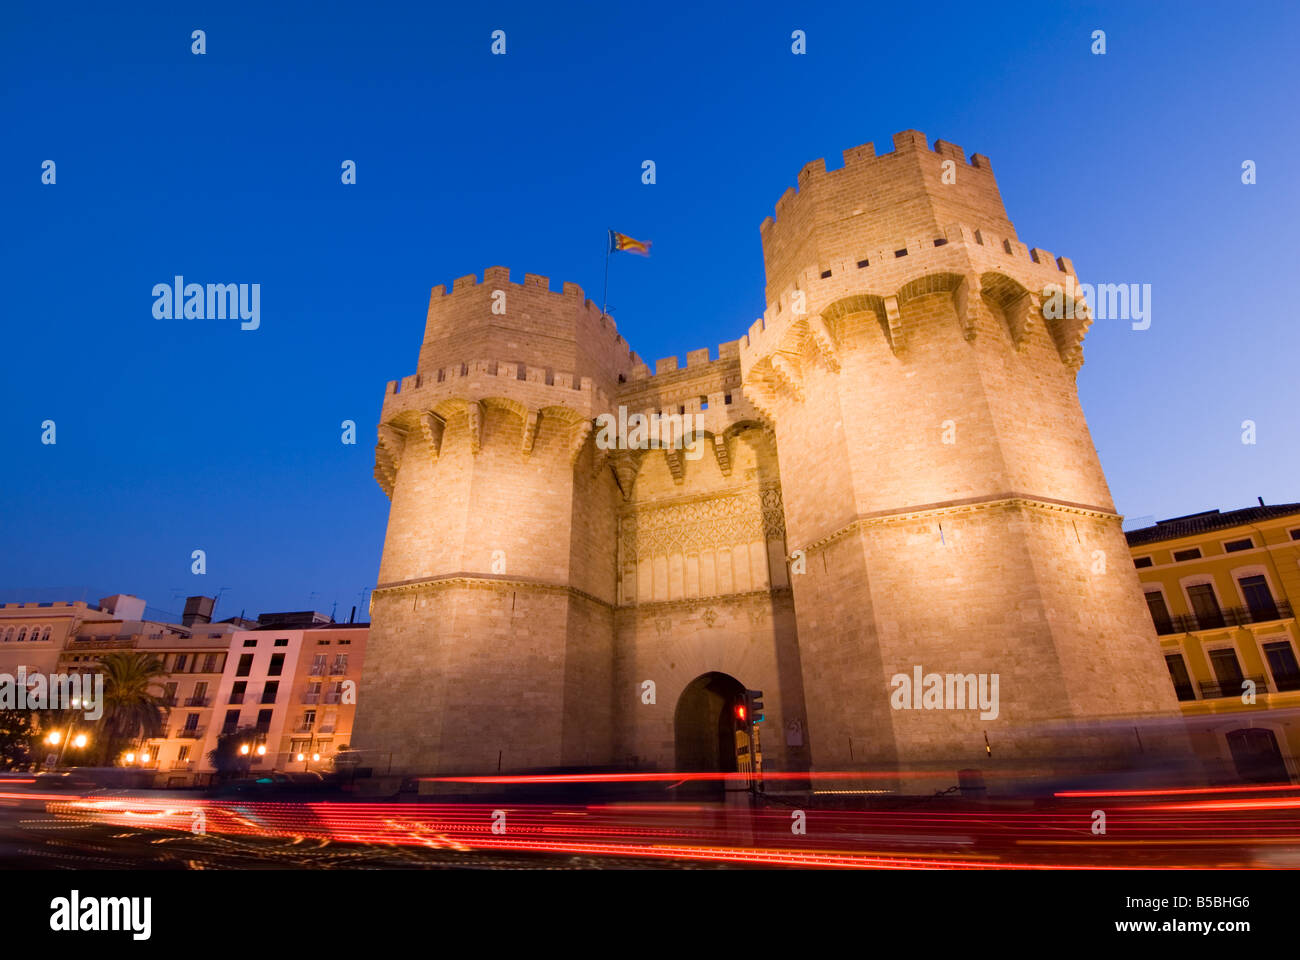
(1256, 755)
(704, 725)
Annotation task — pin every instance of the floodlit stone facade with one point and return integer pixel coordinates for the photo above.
(894, 471)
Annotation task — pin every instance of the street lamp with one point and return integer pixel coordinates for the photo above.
(60, 739)
(245, 749)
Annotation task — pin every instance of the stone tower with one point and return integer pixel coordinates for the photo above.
(493, 609)
(939, 476)
(892, 472)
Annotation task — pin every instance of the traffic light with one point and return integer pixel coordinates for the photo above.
(741, 713)
(754, 705)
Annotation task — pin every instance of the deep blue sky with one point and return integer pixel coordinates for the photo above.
(176, 435)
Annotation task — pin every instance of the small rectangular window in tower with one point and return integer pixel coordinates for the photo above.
(900, 253)
(863, 264)
(825, 274)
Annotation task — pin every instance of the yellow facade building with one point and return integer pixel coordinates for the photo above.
(1220, 588)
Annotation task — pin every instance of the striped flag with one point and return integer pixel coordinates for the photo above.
(621, 241)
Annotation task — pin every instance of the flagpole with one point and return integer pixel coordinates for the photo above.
(604, 297)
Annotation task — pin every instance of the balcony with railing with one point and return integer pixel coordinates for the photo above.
(1216, 689)
(189, 733)
(311, 698)
(198, 702)
(1222, 619)
(303, 728)
(102, 643)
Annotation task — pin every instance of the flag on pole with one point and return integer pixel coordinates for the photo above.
(621, 241)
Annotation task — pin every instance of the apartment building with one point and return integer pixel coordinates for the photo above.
(292, 682)
(1220, 588)
(193, 657)
(33, 635)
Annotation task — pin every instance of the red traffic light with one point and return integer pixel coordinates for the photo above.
(740, 711)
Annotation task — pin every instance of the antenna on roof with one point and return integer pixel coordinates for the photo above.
(1261, 501)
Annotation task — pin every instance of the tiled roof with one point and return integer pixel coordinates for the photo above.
(1195, 523)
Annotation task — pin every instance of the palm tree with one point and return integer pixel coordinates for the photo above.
(131, 708)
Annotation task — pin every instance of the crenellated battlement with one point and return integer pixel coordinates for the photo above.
(864, 162)
(961, 259)
(492, 378)
(547, 328)
(697, 362)
(846, 213)
(499, 277)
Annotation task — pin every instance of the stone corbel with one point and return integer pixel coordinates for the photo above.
(1020, 317)
(474, 419)
(433, 427)
(969, 301)
(627, 463)
(786, 370)
(821, 336)
(894, 320)
(392, 441)
(529, 437)
(578, 439)
(722, 453)
(676, 464)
